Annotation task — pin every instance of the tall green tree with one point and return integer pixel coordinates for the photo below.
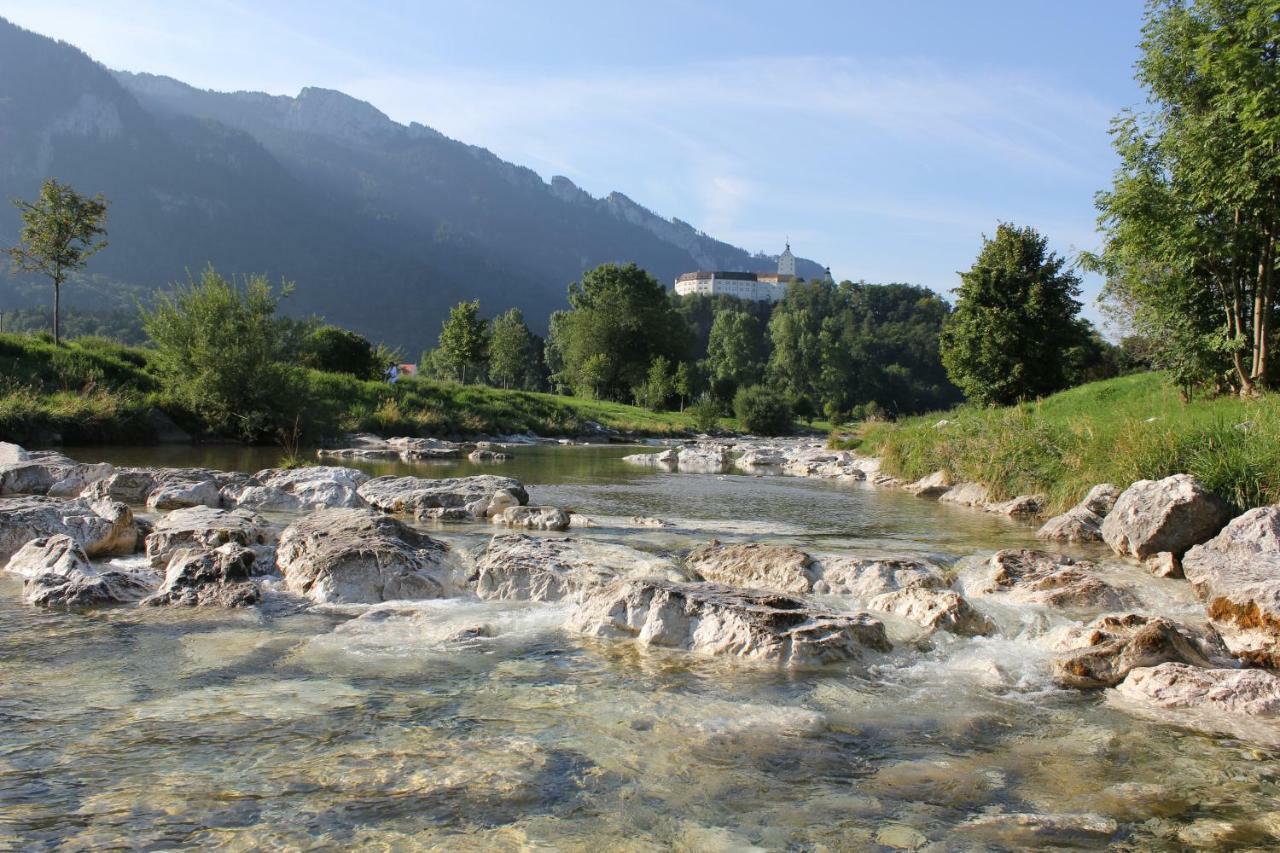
(464, 341)
(620, 319)
(735, 352)
(224, 353)
(513, 355)
(1193, 214)
(1016, 317)
(61, 229)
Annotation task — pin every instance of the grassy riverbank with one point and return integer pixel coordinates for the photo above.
(1119, 430)
(92, 391)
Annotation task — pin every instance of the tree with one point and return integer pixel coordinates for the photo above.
(660, 384)
(61, 229)
(1015, 319)
(512, 353)
(1193, 214)
(224, 354)
(464, 341)
(337, 350)
(682, 382)
(735, 352)
(763, 411)
(620, 319)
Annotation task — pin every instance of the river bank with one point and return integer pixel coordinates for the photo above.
(867, 667)
(1116, 431)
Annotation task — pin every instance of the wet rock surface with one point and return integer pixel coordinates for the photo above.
(1237, 575)
(196, 527)
(1163, 515)
(57, 555)
(714, 619)
(460, 498)
(298, 489)
(1039, 577)
(754, 565)
(1103, 652)
(101, 528)
(1083, 522)
(80, 590)
(358, 556)
(216, 577)
(1243, 702)
(533, 568)
(534, 518)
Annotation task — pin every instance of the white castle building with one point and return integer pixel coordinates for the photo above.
(760, 287)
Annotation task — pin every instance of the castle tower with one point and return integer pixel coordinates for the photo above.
(787, 261)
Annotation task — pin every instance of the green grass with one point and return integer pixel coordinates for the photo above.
(1119, 430)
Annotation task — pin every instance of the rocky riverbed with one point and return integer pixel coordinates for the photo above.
(711, 646)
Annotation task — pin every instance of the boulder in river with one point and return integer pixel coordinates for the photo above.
(201, 526)
(453, 497)
(1240, 702)
(534, 518)
(966, 494)
(1039, 577)
(1237, 575)
(179, 488)
(79, 589)
(714, 619)
(1103, 652)
(49, 555)
(1163, 515)
(299, 489)
(208, 577)
(45, 472)
(357, 556)
(539, 568)
(934, 485)
(934, 609)
(754, 565)
(101, 528)
(366, 446)
(1083, 522)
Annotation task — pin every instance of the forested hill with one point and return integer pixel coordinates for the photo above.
(383, 226)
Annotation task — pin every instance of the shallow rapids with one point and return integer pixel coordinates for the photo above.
(402, 725)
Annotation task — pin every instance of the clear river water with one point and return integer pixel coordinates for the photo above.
(300, 729)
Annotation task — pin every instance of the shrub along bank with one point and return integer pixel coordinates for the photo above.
(1118, 431)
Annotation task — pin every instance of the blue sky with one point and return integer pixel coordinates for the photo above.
(883, 138)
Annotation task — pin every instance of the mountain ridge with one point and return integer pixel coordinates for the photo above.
(383, 225)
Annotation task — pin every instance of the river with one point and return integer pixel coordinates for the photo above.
(299, 729)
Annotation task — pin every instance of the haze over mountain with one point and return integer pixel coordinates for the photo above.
(382, 226)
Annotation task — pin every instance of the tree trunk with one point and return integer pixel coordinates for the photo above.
(57, 318)
(1262, 312)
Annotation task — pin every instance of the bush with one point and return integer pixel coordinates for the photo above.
(336, 350)
(706, 414)
(763, 411)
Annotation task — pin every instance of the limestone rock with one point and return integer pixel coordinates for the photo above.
(1163, 515)
(1083, 522)
(1039, 577)
(667, 459)
(366, 446)
(714, 619)
(127, 485)
(203, 577)
(502, 500)
(357, 556)
(1241, 702)
(1103, 652)
(866, 577)
(934, 609)
(179, 488)
(1164, 565)
(79, 589)
(704, 459)
(454, 498)
(200, 526)
(299, 489)
(1237, 575)
(935, 485)
(484, 454)
(753, 565)
(101, 528)
(534, 518)
(49, 555)
(544, 569)
(760, 457)
(1022, 506)
(45, 472)
(966, 494)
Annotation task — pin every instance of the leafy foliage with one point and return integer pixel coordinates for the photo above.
(514, 352)
(620, 320)
(1193, 214)
(763, 411)
(61, 229)
(1015, 318)
(224, 353)
(464, 342)
(337, 350)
